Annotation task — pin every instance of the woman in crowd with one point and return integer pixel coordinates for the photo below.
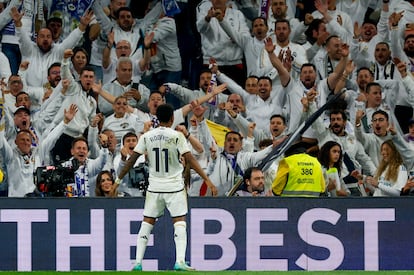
(79, 60)
(105, 186)
(391, 175)
(330, 157)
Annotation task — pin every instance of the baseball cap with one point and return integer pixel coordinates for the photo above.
(411, 121)
(22, 109)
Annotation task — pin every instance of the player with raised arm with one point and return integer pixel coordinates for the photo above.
(166, 189)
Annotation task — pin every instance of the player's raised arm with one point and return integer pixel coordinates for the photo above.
(131, 161)
(196, 166)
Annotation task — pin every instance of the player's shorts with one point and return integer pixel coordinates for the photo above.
(155, 203)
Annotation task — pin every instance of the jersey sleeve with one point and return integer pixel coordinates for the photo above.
(140, 148)
(182, 145)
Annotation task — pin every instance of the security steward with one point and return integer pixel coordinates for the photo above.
(299, 174)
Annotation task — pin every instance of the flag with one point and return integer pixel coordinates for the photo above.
(170, 7)
(218, 132)
(70, 11)
(281, 148)
(264, 8)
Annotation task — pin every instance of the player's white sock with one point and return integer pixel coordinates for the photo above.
(180, 238)
(142, 240)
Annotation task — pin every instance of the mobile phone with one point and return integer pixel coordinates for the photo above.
(135, 86)
(359, 105)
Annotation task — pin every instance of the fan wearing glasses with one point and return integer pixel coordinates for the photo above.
(383, 130)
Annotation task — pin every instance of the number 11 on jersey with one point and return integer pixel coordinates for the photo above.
(158, 157)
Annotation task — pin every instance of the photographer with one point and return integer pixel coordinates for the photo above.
(22, 160)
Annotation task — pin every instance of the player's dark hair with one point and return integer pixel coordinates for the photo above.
(165, 112)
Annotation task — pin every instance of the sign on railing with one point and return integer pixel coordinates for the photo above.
(224, 233)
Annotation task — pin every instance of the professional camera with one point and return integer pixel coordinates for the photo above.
(52, 181)
(138, 177)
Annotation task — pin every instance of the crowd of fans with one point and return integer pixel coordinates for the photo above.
(79, 95)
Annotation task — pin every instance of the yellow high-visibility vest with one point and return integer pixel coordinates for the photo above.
(299, 175)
